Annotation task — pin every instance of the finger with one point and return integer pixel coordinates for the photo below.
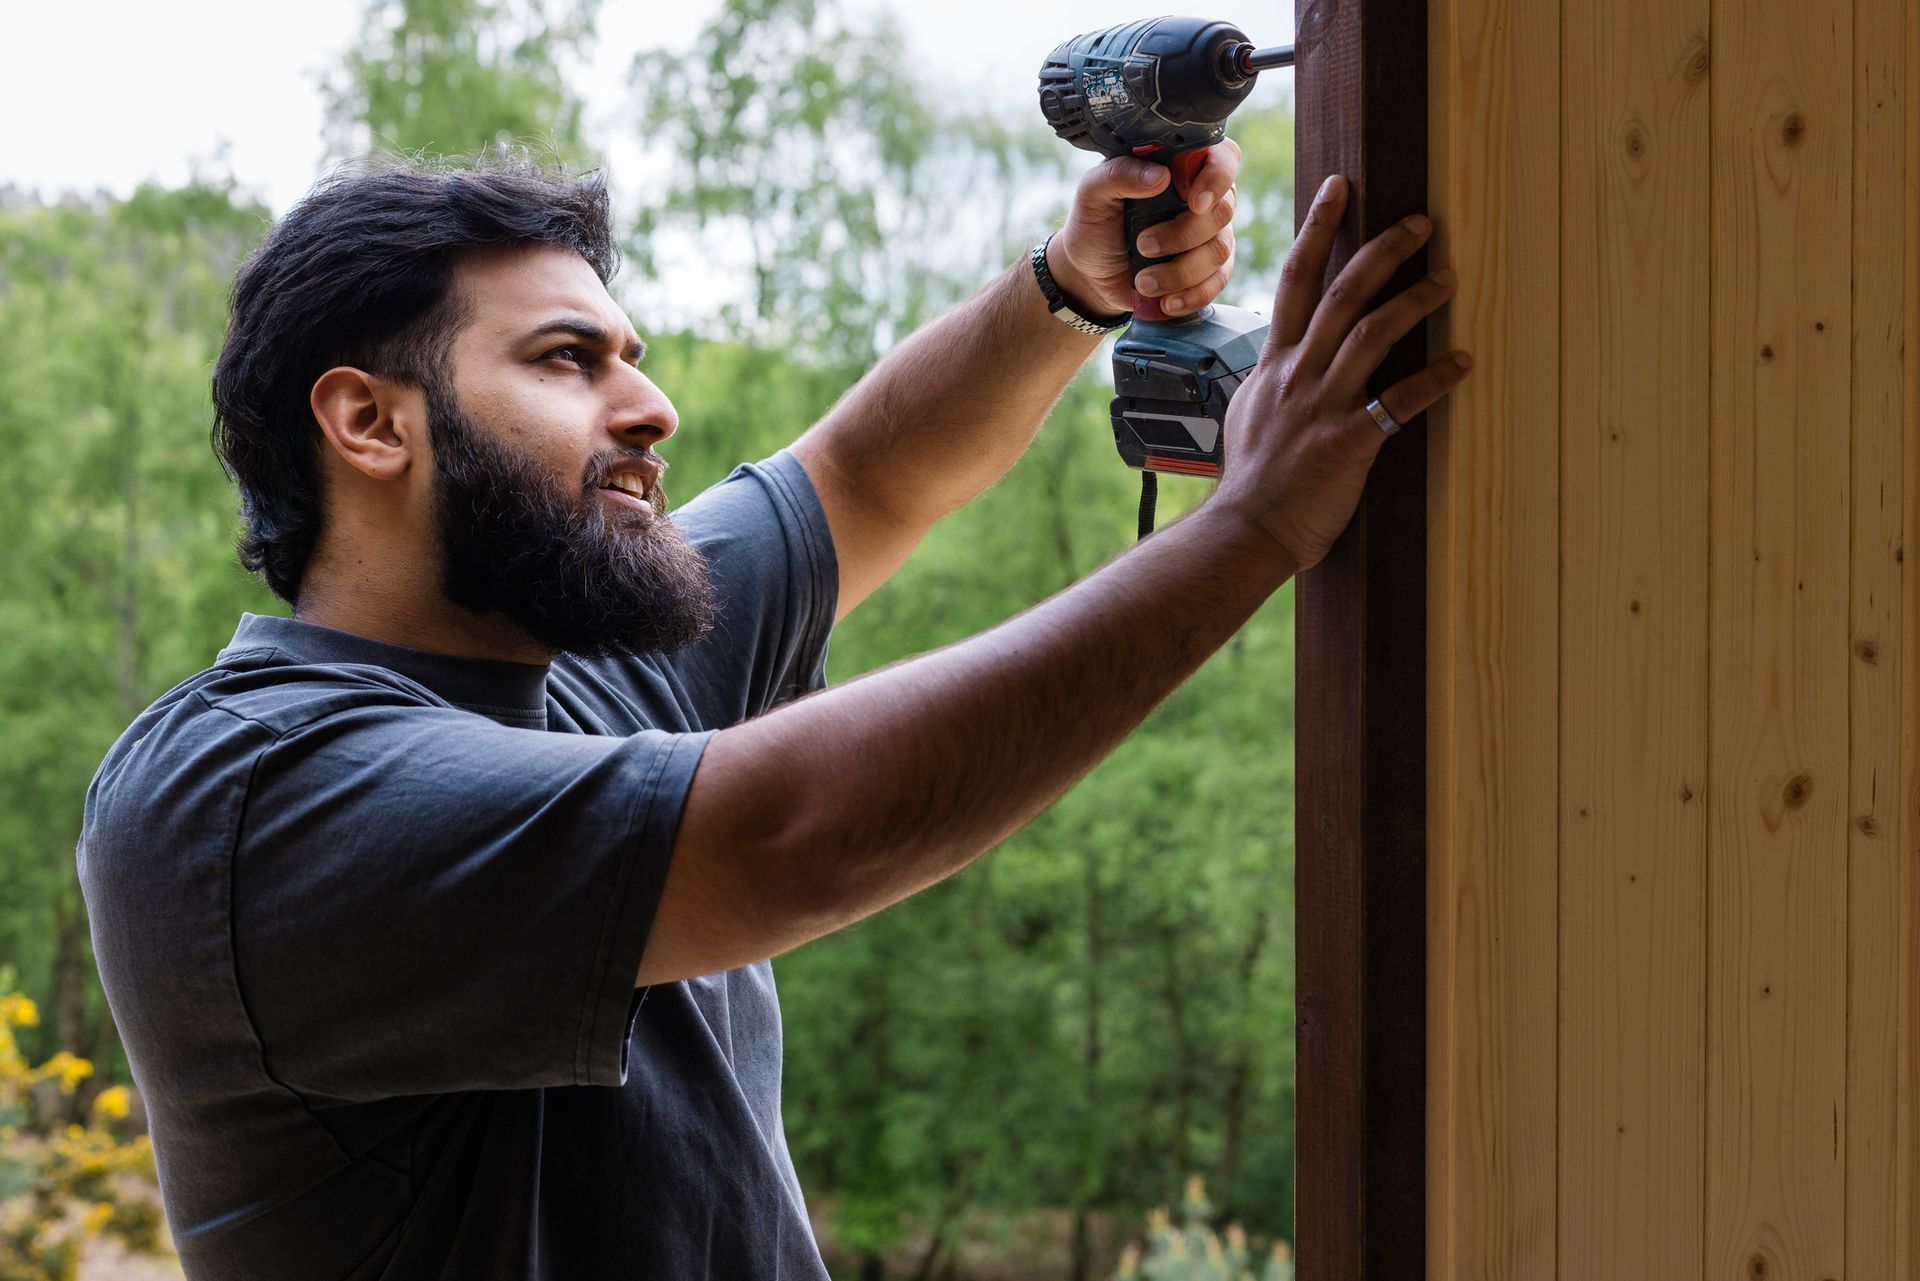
(1413, 395)
(1187, 270)
(1386, 325)
(1194, 297)
(1216, 175)
(1347, 297)
(1189, 230)
(1306, 265)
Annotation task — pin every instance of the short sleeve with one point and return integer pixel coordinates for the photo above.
(776, 585)
(426, 901)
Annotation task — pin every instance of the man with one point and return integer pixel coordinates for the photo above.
(436, 918)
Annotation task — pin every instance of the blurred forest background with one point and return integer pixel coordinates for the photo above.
(999, 1078)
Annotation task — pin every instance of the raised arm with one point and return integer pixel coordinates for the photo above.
(947, 412)
(829, 809)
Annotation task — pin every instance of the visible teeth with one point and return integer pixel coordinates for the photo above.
(630, 484)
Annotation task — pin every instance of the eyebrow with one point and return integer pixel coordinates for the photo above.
(592, 332)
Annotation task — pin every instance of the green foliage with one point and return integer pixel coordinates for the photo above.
(119, 579)
(819, 146)
(456, 77)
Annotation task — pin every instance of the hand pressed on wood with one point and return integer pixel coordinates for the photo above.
(1299, 441)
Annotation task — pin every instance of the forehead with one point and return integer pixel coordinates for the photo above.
(510, 291)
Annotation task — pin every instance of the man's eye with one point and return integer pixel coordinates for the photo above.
(570, 353)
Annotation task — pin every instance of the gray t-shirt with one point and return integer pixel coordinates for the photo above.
(369, 920)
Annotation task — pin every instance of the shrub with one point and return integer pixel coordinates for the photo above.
(1194, 1251)
(62, 1187)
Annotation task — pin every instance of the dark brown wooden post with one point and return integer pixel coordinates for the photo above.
(1361, 690)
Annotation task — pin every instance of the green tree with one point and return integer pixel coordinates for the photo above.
(456, 77)
(807, 137)
(119, 578)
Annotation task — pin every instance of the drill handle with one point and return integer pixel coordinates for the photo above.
(1170, 203)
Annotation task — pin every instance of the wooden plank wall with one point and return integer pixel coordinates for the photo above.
(1674, 642)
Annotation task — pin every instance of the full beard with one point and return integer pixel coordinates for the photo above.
(577, 573)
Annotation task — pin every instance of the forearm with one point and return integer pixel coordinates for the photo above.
(823, 812)
(947, 412)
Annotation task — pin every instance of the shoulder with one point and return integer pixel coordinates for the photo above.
(186, 759)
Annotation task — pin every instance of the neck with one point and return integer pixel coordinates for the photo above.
(402, 608)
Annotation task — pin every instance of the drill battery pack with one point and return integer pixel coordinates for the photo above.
(1172, 383)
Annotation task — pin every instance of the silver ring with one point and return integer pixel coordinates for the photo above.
(1381, 416)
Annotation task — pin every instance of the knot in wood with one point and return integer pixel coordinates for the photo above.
(1698, 62)
(1799, 789)
(1793, 130)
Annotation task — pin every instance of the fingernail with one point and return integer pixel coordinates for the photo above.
(1149, 246)
(1443, 277)
(1203, 202)
(1464, 361)
(1145, 282)
(1418, 225)
(1326, 188)
(1173, 304)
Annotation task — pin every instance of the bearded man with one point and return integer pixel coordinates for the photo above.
(436, 918)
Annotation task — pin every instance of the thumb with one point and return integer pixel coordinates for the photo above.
(1123, 178)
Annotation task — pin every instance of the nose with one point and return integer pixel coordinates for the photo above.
(643, 414)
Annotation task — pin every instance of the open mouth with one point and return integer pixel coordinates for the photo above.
(630, 490)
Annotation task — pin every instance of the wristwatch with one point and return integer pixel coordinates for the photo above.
(1057, 302)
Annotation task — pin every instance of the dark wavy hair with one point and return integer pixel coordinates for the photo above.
(360, 273)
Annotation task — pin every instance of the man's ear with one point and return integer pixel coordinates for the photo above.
(374, 424)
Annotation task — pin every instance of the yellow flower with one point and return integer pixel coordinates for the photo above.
(18, 1010)
(69, 1067)
(96, 1218)
(112, 1103)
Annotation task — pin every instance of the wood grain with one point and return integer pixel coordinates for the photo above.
(1778, 812)
(1361, 681)
(1633, 676)
(1880, 919)
(1494, 619)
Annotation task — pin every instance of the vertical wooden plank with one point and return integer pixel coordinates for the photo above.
(1494, 611)
(1361, 683)
(1778, 813)
(1633, 678)
(1906, 1199)
(1880, 919)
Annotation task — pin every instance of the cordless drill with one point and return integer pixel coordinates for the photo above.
(1161, 89)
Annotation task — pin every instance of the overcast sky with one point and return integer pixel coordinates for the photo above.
(114, 92)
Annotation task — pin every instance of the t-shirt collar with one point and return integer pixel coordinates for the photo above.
(487, 685)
